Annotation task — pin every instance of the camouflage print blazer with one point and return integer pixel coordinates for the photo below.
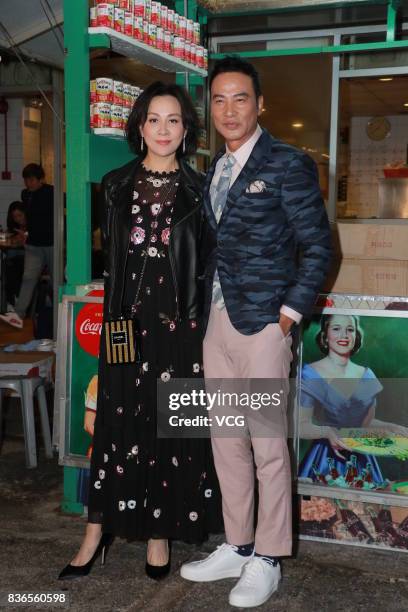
(272, 245)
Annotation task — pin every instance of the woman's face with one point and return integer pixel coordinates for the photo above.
(18, 217)
(163, 130)
(341, 334)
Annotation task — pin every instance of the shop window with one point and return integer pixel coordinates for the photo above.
(375, 59)
(372, 154)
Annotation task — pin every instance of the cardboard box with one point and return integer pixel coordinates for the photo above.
(30, 363)
(370, 241)
(368, 277)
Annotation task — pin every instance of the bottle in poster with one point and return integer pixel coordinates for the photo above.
(353, 523)
(380, 520)
(332, 468)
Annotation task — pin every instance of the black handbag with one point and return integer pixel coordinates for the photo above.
(122, 335)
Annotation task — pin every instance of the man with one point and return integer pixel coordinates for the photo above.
(38, 198)
(264, 206)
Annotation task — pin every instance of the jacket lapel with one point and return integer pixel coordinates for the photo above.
(188, 197)
(249, 171)
(207, 199)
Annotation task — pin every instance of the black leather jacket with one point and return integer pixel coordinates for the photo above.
(186, 233)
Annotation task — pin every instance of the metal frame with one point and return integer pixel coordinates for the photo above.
(302, 488)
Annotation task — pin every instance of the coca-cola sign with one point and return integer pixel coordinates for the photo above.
(88, 328)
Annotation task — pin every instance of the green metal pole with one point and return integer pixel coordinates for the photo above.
(77, 76)
(392, 12)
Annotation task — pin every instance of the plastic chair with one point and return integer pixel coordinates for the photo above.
(26, 387)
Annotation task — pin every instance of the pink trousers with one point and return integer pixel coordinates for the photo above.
(239, 460)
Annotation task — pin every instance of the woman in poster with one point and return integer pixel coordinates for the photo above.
(143, 487)
(338, 393)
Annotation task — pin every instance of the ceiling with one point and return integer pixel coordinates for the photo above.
(371, 97)
(28, 23)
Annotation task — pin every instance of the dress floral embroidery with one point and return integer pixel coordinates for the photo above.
(144, 486)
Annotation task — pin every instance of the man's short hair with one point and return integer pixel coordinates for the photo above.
(233, 63)
(34, 170)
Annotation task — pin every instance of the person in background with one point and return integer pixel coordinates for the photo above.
(38, 198)
(16, 227)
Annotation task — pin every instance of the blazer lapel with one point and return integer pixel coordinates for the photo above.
(207, 199)
(248, 172)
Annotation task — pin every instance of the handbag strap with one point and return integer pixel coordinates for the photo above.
(142, 272)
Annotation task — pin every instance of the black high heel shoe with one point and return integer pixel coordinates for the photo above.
(157, 572)
(77, 571)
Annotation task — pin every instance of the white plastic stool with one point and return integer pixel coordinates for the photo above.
(26, 387)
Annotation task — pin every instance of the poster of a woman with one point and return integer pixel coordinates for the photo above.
(336, 393)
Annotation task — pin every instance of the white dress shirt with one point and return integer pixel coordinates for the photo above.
(241, 157)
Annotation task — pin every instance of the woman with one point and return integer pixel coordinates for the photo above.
(16, 226)
(143, 487)
(329, 402)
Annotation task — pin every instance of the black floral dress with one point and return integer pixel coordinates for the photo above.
(142, 486)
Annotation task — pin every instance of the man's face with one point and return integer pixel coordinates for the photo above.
(234, 107)
(32, 183)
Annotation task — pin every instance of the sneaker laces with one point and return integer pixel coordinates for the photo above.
(219, 548)
(250, 570)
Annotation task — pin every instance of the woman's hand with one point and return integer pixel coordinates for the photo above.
(89, 421)
(336, 443)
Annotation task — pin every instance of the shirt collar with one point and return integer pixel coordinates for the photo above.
(242, 154)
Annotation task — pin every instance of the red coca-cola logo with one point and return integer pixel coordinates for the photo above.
(88, 328)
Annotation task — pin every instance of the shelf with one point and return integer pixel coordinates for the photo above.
(130, 47)
(117, 134)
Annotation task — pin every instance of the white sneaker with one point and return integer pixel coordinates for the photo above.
(258, 581)
(224, 562)
(12, 318)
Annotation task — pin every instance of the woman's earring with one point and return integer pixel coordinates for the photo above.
(184, 143)
(141, 144)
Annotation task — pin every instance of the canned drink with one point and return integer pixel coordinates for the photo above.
(193, 51)
(129, 23)
(205, 59)
(117, 92)
(127, 94)
(167, 42)
(156, 13)
(190, 30)
(119, 20)
(125, 115)
(170, 21)
(139, 8)
(104, 15)
(152, 34)
(92, 91)
(176, 27)
(116, 119)
(93, 17)
(179, 47)
(134, 93)
(91, 116)
(104, 90)
(160, 38)
(101, 115)
(187, 51)
(196, 33)
(146, 32)
(182, 26)
(123, 4)
(138, 28)
(148, 10)
(163, 16)
(200, 56)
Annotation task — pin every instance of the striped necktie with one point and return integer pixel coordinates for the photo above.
(218, 203)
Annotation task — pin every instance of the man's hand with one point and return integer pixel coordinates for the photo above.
(285, 323)
(89, 421)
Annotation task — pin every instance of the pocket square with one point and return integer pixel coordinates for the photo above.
(256, 187)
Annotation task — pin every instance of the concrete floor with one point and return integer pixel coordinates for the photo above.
(36, 541)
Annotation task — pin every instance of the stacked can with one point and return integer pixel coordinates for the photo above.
(154, 24)
(111, 102)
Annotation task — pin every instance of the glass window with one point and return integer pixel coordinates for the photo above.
(373, 148)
